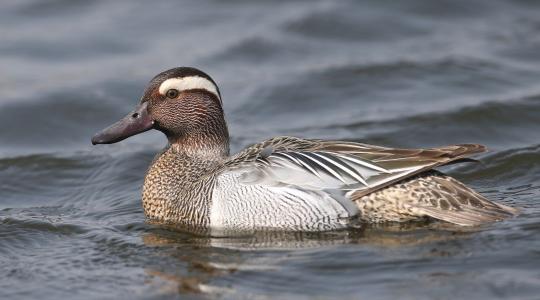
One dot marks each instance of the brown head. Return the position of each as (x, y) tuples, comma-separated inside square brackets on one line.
[(185, 104)]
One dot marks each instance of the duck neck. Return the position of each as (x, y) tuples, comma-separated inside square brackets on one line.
[(207, 145)]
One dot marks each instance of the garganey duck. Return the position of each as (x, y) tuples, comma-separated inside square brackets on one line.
[(284, 183)]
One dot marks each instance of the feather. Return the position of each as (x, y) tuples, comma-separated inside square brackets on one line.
[(357, 170), (373, 167)]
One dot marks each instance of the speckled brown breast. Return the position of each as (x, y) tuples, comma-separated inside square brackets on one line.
[(178, 190)]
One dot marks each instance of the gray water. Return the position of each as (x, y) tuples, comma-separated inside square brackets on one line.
[(394, 73)]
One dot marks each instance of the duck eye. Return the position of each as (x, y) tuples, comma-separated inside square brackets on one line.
[(172, 93)]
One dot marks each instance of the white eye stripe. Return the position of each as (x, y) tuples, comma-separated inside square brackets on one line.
[(189, 83)]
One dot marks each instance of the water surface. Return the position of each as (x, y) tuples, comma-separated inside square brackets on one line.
[(408, 74)]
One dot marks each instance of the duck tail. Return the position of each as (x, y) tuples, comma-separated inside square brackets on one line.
[(434, 195), (461, 205)]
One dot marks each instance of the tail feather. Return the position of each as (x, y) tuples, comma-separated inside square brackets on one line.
[(466, 216), (432, 194)]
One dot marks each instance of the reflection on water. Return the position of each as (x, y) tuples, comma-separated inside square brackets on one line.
[(384, 235), (223, 256)]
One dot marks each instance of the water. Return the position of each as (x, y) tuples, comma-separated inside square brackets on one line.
[(408, 74)]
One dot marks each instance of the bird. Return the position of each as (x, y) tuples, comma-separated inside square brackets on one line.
[(284, 183)]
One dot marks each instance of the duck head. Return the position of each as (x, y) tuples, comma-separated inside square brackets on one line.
[(185, 104)]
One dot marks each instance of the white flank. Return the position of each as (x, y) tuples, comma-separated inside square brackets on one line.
[(188, 83)]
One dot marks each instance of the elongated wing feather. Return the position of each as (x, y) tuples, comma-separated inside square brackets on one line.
[(357, 167)]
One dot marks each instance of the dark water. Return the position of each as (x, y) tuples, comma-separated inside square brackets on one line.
[(408, 74)]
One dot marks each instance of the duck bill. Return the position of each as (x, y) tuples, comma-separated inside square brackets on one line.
[(134, 123)]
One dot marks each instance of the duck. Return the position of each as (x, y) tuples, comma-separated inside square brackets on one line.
[(285, 183)]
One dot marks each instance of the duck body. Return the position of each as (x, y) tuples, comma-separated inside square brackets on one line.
[(267, 186), (284, 183)]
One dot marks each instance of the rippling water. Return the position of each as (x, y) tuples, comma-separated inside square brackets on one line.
[(408, 74)]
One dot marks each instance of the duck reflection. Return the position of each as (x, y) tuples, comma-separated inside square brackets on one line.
[(199, 259)]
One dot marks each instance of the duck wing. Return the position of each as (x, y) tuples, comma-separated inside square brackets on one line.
[(337, 165)]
